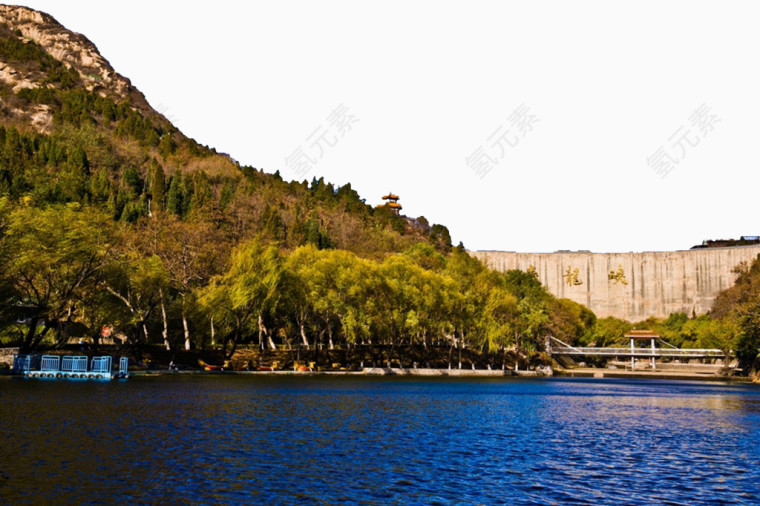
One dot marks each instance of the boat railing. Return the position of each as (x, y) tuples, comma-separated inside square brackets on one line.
[(74, 364), (50, 363), (124, 366), (101, 364), (21, 364)]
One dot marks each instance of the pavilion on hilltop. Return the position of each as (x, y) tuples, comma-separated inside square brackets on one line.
[(392, 202)]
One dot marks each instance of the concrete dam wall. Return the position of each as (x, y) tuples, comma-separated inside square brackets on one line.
[(632, 286)]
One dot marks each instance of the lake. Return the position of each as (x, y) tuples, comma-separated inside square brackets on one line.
[(325, 440)]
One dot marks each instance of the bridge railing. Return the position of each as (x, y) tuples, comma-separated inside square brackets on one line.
[(639, 352)]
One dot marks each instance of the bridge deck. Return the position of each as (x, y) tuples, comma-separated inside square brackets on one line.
[(639, 352)]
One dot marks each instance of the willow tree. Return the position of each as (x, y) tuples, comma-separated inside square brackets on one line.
[(295, 300), (421, 303), (53, 258), (137, 282), (242, 296), (498, 322), (338, 287), (472, 278)]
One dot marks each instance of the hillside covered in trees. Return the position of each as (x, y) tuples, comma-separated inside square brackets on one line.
[(110, 218)]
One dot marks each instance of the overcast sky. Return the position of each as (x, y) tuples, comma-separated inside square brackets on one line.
[(522, 126)]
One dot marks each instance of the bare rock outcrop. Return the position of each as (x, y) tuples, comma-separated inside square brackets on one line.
[(74, 50)]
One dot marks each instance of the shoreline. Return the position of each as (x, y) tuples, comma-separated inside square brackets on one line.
[(590, 372), (367, 371), (477, 373)]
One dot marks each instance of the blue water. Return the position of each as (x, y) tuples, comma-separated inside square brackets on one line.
[(316, 440)]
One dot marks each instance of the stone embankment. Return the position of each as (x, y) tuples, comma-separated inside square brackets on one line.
[(461, 373), (6, 356), (591, 372)]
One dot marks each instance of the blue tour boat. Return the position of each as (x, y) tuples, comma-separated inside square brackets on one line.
[(70, 367)]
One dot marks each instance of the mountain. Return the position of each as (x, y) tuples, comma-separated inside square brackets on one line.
[(75, 130), (24, 66)]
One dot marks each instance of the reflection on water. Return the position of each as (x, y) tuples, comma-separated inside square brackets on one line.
[(233, 439)]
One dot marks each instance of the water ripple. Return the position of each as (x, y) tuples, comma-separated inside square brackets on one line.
[(235, 440)]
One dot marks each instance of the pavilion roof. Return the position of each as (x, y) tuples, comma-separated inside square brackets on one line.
[(642, 334)]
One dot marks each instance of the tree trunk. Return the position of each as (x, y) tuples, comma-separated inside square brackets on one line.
[(213, 333), (329, 338), (272, 346), (29, 338), (319, 342), (165, 331), (460, 342), (261, 331), (234, 341), (145, 331), (303, 337), (187, 331), (34, 338), (232, 337)]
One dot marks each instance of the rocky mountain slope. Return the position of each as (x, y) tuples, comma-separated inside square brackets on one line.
[(75, 130), (71, 49)]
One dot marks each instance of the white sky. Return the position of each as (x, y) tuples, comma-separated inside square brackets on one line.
[(428, 82)]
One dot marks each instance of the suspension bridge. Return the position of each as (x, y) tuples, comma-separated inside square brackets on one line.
[(634, 352)]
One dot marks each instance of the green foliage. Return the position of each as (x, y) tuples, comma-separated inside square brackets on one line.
[(75, 202), (176, 199), (158, 186), (249, 289), (738, 310), (315, 233), (135, 125), (166, 146), (135, 282), (426, 256), (524, 285), (571, 321), (608, 331), (132, 182), (272, 224), (440, 236), (52, 261)]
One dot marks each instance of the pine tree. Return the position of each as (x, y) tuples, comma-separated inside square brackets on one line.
[(100, 186), (157, 186), (133, 182), (175, 198), (166, 146)]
